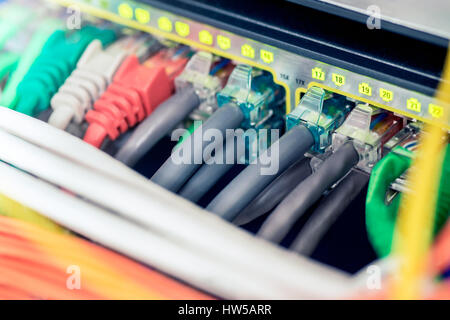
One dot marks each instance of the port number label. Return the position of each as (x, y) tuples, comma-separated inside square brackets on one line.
[(182, 29), (248, 51), (338, 79), (266, 56), (413, 104), (142, 15), (435, 111), (165, 24), (125, 11), (365, 89), (205, 37), (318, 73), (386, 95), (223, 42)]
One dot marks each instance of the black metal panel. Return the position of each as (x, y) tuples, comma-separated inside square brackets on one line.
[(362, 18), (409, 62)]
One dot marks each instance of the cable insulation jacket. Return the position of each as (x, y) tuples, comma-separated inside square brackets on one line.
[(250, 182), (160, 123), (275, 192), (328, 212), (172, 175), (209, 174)]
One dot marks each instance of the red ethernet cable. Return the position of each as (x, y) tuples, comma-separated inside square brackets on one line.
[(137, 89)]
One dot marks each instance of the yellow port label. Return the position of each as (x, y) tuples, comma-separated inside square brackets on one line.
[(318, 74), (435, 110), (414, 105), (165, 24), (338, 79), (248, 51), (205, 37), (386, 95), (125, 11), (266, 56), (365, 88), (182, 29), (142, 15), (223, 42)]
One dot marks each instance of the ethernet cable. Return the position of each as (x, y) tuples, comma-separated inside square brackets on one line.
[(172, 176), (329, 211), (29, 54), (56, 141), (13, 209), (310, 126), (56, 61), (358, 141), (139, 243), (300, 199), (178, 220), (136, 91), (275, 192), (94, 73), (248, 98), (209, 174), (35, 261), (194, 86), (77, 130)]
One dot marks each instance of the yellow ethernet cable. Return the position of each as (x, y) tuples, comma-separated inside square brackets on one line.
[(414, 224), (13, 209)]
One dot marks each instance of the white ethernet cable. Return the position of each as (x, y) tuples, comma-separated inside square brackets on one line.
[(95, 71), (118, 234), (63, 144), (182, 222)]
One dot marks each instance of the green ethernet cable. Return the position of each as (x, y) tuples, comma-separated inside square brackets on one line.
[(55, 63), (39, 38), (381, 214), (8, 61)]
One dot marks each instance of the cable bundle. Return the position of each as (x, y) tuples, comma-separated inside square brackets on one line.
[(37, 264), (135, 92), (57, 60), (93, 74)]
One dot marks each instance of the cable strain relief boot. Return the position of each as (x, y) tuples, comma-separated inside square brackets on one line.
[(27, 104), (95, 135), (61, 117)]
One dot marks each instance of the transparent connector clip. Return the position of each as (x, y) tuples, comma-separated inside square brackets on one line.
[(197, 74), (367, 139), (253, 91), (321, 113)]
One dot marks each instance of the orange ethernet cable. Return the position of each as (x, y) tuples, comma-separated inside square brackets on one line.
[(34, 262)]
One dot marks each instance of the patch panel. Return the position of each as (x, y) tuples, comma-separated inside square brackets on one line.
[(294, 72)]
